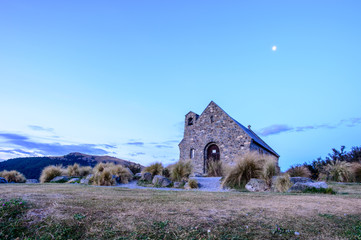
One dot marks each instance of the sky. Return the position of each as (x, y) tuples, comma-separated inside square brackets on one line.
[(117, 77)]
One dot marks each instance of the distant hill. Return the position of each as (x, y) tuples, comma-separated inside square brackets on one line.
[(31, 167)]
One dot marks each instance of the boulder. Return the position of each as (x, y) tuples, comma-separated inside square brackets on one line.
[(138, 175), (86, 179), (131, 173), (300, 179), (73, 180), (161, 181), (256, 185), (31, 181), (301, 186), (178, 184), (3, 180), (146, 176), (60, 179)]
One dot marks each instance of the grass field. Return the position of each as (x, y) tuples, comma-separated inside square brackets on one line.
[(64, 211)]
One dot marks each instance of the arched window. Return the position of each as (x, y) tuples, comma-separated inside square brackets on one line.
[(190, 121), (191, 155), (212, 119)]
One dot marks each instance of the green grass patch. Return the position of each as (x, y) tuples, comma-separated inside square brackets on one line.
[(319, 190)]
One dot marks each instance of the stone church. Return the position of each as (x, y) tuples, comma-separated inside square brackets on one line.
[(214, 134)]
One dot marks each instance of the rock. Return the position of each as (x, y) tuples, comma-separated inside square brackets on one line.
[(161, 181), (131, 173), (178, 184), (73, 180), (60, 179), (301, 186), (3, 180), (300, 179), (257, 185), (138, 175), (146, 176), (31, 181), (86, 179), (197, 174)]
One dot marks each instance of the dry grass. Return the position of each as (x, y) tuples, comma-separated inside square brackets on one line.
[(78, 171), (13, 176), (356, 171), (154, 168), (51, 172), (181, 170), (248, 166), (339, 171), (299, 171), (104, 172), (269, 170), (149, 214), (283, 183), (214, 168), (193, 183)]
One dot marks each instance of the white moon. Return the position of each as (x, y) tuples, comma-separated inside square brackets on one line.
[(274, 48)]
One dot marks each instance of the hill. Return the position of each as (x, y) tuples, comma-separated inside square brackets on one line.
[(31, 167)]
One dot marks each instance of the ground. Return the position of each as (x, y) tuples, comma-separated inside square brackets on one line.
[(65, 211)]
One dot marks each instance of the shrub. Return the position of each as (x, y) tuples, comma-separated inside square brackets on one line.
[(283, 183), (193, 183), (51, 172), (247, 167), (319, 190), (74, 170), (214, 168), (269, 170), (85, 171), (166, 172), (356, 171), (13, 176), (339, 171), (154, 168), (104, 172), (181, 170), (299, 171), (135, 168)]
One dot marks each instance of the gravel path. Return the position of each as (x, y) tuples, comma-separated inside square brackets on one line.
[(207, 184)]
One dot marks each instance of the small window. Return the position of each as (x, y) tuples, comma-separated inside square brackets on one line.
[(214, 151), (212, 120), (192, 153), (190, 121)]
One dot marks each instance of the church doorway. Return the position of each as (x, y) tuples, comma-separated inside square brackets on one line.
[(211, 154)]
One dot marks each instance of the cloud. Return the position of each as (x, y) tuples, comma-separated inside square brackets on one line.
[(50, 148), (15, 151), (279, 128), (139, 144), (39, 128), (275, 129), (163, 146), (136, 154)]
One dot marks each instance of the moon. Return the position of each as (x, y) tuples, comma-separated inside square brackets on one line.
[(274, 48)]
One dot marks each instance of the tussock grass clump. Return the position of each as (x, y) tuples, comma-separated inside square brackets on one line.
[(248, 166), (269, 170), (13, 176), (299, 171), (339, 171), (104, 172), (214, 168), (154, 168), (78, 171), (356, 171), (51, 172), (181, 170), (193, 183), (283, 183)]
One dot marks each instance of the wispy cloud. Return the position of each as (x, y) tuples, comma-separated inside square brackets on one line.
[(136, 154), (139, 144), (280, 128), (27, 144), (40, 128), (163, 146)]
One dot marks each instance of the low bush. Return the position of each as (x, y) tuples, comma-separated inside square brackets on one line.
[(339, 171), (214, 168), (283, 183), (193, 183), (319, 190), (299, 171), (247, 167), (51, 172), (104, 172), (154, 168), (166, 172), (13, 176), (181, 171), (135, 168)]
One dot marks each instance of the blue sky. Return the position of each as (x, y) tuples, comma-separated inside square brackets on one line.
[(117, 77)]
